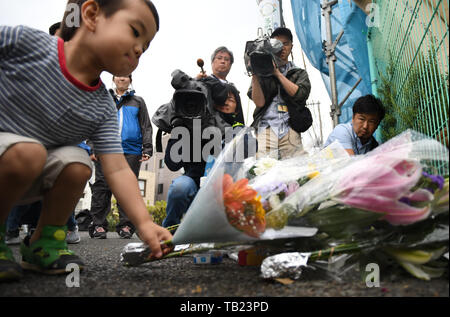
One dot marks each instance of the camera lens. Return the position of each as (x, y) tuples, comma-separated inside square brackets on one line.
[(190, 104)]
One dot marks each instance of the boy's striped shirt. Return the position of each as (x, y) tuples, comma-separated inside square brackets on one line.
[(39, 98)]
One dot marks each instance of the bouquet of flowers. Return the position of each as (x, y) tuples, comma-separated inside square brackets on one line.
[(389, 180), (384, 202), (390, 200), (233, 202)]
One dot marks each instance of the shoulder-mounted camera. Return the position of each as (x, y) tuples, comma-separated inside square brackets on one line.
[(192, 99), (261, 54)]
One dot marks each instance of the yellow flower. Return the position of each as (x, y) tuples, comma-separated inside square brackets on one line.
[(313, 174)]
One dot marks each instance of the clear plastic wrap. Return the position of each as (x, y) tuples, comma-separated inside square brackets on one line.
[(233, 202), (386, 180), (328, 207)]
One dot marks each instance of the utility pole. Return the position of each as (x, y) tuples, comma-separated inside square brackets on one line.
[(330, 47)]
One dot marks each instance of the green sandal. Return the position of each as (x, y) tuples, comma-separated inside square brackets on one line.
[(9, 269), (49, 254)]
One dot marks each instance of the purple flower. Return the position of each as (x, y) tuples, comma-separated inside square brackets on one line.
[(436, 179), (291, 188)]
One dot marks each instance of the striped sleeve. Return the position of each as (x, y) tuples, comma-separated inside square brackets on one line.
[(107, 139), (9, 36)]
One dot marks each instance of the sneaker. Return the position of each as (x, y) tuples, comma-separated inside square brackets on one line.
[(73, 237), (9, 269), (49, 254), (12, 237), (125, 233), (99, 233)]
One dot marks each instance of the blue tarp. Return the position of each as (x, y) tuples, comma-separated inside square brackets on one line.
[(351, 53)]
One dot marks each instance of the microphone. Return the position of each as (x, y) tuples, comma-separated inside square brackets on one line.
[(201, 63)]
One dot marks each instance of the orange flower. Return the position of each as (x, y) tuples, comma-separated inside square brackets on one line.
[(243, 207), (234, 194)]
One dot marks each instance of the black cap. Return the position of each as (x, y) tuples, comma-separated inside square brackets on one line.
[(282, 31)]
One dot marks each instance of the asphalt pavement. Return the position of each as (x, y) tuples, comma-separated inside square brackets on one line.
[(105, 276)]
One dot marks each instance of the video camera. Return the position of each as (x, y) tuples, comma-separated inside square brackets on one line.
[(260, 55), (192, 99)]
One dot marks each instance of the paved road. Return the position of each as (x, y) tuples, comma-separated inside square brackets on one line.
[(105, 276)]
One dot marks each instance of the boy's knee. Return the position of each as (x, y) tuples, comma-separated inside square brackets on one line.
[(25, 158), (78, 172)]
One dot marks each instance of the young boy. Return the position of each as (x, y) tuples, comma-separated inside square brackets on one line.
[(40, 125)]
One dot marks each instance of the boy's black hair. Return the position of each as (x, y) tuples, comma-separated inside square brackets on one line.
[(109, 7), (369, 104), (54, 27)]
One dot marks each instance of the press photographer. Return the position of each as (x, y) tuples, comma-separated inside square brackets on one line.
[(196, 105), (279, 90)]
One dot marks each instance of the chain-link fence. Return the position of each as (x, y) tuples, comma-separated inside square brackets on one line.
[(409, 58)]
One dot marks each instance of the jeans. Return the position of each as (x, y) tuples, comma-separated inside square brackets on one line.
[(181, 194), (71, 223), (29, 214)]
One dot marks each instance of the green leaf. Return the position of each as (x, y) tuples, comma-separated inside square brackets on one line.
[(422, 272), (342, 221), (416, 270)]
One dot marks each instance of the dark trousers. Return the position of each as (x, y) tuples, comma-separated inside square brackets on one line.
[(101, 196), (29, 214)]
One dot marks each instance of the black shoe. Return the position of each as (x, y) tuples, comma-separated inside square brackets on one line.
[(125, 232), (99, 234)]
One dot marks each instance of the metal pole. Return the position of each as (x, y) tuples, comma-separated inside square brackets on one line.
[(320, 122), (349, 93), (331, 58)]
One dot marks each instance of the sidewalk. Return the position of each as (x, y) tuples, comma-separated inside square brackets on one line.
[(106, 276)]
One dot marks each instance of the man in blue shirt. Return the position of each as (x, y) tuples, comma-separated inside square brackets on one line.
[(357, 136)]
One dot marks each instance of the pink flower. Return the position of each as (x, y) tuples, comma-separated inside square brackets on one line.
[(381, 183)]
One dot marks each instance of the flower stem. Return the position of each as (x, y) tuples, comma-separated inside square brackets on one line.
[(339, 249), (193, 250)]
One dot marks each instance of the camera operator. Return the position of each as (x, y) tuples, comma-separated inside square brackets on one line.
[(280, 101), (221, 61), (184, 188)]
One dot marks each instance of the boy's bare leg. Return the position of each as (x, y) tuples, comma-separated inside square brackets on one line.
[(60, 201), (20, 165)]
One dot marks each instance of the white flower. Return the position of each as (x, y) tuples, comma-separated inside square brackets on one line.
[(264, 164), (274, 201)]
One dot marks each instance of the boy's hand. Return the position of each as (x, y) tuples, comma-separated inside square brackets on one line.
[(152, 234)]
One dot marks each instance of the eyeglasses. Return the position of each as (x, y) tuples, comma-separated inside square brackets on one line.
[(225, 58)]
